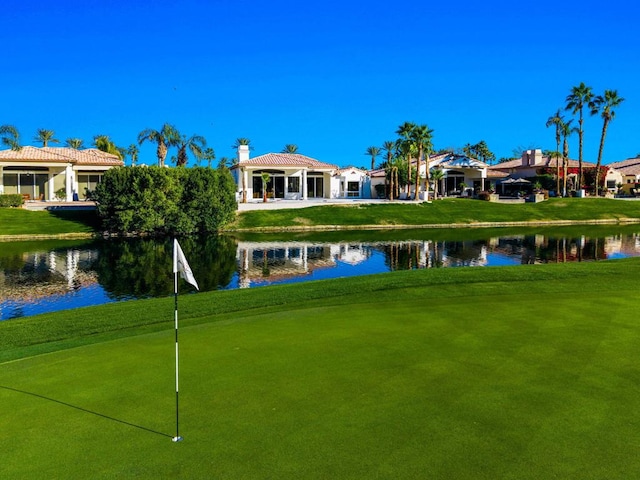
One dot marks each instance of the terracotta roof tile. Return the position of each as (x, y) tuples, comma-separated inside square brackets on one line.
[(286, 160), (89, 156)]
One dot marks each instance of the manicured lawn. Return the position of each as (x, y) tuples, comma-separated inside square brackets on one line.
[(524, 373), (17, 221), (447, 211)]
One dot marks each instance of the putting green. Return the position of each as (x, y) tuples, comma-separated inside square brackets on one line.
[(458, 385)]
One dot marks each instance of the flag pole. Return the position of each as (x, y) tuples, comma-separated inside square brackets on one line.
[(177, 438)]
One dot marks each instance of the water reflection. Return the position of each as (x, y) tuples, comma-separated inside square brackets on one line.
[(37, 278)]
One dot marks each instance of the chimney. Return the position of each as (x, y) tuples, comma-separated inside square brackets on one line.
[(243, 153), (532, 158)]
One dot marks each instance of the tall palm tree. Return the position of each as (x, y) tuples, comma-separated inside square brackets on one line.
[(556, 121), (290, 148), (10, 137), (104, 143), (373, 152), (133, 151), (75, 143), (167, 136), (579, 97), (566, 130), (421, 136), (405, 146), (604, 105), (390, 148), (45, 136), (195, 144), (210, 155)]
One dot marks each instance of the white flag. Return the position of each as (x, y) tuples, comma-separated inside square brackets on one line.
[(180, 265)]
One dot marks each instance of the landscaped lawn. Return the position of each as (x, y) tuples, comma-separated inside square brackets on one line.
[(17, 221), (451, 211), (519, 372)]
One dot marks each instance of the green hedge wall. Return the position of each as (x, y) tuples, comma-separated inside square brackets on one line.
[(11, 200), (165, 201)]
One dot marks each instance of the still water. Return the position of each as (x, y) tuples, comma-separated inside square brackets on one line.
[(39, 277)]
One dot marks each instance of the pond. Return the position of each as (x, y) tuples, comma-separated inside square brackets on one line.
[(40, 277)]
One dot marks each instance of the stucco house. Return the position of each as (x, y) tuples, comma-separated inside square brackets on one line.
[(295, 177), (458, 170), (38, 173), (629, 170)]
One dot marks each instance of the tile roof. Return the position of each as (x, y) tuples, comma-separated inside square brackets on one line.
[(89, 156), (546, 162), (286, 160), (630, 166)]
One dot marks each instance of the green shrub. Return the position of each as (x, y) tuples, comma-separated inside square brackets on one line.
[(165, 201), (11, 200)]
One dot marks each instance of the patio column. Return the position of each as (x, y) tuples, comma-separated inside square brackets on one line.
[(305, 192), (68, 182), (1, 181), (51, 194)]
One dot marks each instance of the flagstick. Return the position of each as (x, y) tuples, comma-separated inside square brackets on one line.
[(177, 438)]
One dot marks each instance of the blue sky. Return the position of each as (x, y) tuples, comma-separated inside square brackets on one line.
[(332, 77)]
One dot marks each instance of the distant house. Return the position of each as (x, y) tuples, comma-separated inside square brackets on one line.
[(629, 170), (458, 171), (39, 173), (533, 163), (295, 177)]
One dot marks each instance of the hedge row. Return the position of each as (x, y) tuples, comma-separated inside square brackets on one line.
[(165, 201), (11, 200)]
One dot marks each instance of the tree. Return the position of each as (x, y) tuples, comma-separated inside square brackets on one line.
[(556, 120), (242, 141), (479, 151), (421, 136), (566, 130), (290, 148), (104, 143), (604, 104), (10, 137), (195, 144), (167, 136), (405, 147), (436, 175), (210, 155), (373, 152), (133, 151), (265, 180), (75, 143), (45, 136), (579, 97)]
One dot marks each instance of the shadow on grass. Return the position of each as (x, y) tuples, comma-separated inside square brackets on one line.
[(87, 216), (59, 402)]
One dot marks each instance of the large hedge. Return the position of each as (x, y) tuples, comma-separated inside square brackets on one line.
[(165, 201)]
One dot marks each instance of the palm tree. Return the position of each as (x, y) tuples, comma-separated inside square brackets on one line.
[(265, 180), (195, 144), (210, 155), (579, 97), (566, 130), (556, 120), (10, 137), (420, 136), (436, 175), (75, 143), (242, 141), (373, 152), (45, 136), (405, 146), (604, 104), (290, 148), (133, 151), (104, 143), (167, 136)]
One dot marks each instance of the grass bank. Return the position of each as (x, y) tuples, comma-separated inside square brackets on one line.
[(447, 212), (20, 222), (525, 372)]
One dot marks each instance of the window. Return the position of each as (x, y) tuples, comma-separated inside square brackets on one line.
[(353, 189), (611, 184), (293, 184)]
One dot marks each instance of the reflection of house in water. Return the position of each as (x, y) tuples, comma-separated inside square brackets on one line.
[(260, 262), (43, 274)]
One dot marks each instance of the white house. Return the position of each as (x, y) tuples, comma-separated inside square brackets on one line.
[(292, 176), (458, 170), (38, 173)]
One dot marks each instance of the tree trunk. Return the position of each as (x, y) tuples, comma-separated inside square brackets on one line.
[(602, 137)]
